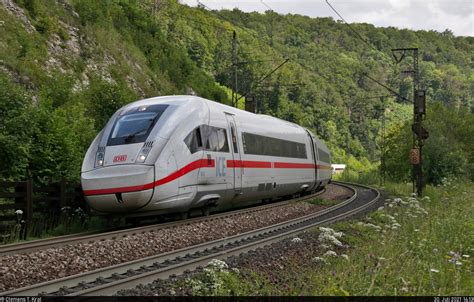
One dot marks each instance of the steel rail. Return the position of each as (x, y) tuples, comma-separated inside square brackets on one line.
[(31, 246), (107, 281)]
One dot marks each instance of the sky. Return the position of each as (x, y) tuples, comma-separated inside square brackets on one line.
[(455, 15)]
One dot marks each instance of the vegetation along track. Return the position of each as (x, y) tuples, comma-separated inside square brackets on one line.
[(109, 280), (31, 246)]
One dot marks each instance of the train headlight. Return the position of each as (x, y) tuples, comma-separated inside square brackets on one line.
[(99, 159), (143, 154)]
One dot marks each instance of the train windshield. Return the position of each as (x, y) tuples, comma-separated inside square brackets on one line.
[(135, 125)]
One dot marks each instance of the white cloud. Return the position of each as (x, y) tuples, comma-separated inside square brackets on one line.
[(456, 15)]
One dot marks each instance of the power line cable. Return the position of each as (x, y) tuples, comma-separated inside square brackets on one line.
[(351, 28), (263, 79), (370, 45), (223, 17), (388, 88), (252, 33)]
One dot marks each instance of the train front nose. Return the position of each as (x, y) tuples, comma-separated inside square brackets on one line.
[(118, 189)]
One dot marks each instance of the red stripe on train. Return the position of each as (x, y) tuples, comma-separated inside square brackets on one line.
[(201, 163), (324, 167), (281, 165), (248, 164), (204, 163), (119, 190)]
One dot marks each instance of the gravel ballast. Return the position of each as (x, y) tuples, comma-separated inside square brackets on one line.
[(26, 269), (273, 262)]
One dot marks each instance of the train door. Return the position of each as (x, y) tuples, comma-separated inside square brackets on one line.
[(314, 156), (236, 162)]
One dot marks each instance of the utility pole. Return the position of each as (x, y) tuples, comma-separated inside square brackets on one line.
[(234, 69), (419, 111)]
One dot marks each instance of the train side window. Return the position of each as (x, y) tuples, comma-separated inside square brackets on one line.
[(264, 145), (324, 156), (234, 139), (194, 141), (222, 145), (214, 139)]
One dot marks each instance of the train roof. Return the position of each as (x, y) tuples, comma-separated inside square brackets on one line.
[(195, 103)]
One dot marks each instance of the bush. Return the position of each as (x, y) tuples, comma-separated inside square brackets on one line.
[(447, 152), (102, 99), (15, 129)]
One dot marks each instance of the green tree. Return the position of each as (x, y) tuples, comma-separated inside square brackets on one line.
[(16, 124)]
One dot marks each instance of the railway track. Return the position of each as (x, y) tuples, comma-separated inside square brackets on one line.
[(31, 246), (109, 280)]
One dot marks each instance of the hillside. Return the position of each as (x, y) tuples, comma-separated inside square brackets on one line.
[(66, 66)]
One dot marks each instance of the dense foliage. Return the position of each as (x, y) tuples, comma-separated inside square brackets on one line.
[(65, 67)]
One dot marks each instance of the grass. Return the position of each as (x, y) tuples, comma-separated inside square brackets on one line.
[(409, 247)]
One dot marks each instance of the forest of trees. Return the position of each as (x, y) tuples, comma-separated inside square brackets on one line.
[(66, 66)]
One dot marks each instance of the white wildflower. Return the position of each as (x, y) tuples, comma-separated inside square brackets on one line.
[(296, 240), (329, 236), (217, 265), (466, 256), (345, 257), (435, 250), (380, 209), (433, 270), (330, 254), (19, 212), (413, 194), (331, 232), (396, 224), (458, 263), (319, 259), (235, 270)]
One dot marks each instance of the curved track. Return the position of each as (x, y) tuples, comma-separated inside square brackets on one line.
[(109, 280), (31, 246)]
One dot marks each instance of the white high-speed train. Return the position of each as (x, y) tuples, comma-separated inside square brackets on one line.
[(176, 153)]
